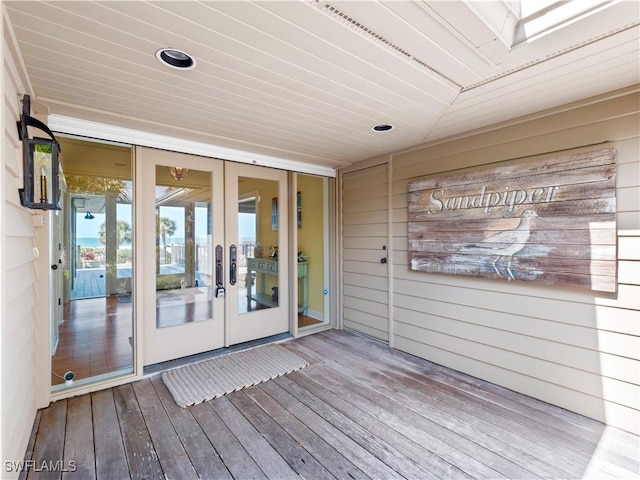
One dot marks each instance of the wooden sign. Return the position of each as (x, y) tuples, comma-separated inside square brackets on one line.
[(551, 221)]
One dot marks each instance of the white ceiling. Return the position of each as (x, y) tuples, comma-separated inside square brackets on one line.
[(306, 80)]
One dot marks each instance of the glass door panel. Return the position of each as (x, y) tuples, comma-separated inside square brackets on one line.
[(258, 266), (312, 238), (184, 247)]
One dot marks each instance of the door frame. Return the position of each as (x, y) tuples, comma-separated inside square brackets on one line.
[(135, 138), (57, 223)]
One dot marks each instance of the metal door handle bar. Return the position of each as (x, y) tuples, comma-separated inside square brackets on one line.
[(233, 267), (219, 281)]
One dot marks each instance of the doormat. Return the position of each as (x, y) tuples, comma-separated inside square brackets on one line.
[(202, 381)]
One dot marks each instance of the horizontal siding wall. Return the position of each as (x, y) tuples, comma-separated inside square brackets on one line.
[(570, 347), (19, 295)]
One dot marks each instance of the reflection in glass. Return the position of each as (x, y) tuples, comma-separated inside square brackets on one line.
[(257, 244), (92, 238), (183, 247)]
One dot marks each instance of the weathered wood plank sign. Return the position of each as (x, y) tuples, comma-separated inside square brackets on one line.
[(550, 221)]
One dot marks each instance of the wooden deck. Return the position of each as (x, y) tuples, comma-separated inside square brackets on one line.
[(359, 410)]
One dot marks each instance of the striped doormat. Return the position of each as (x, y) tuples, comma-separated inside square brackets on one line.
[(202, 381)]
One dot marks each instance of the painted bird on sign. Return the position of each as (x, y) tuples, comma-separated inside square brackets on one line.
[(504, 244)]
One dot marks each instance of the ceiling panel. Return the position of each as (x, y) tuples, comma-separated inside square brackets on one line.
[(603, 68), (454, 54), (306, 80)]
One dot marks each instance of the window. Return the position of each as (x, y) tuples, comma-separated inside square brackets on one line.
[(541, 17)]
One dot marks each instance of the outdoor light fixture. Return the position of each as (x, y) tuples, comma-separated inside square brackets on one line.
[(40, 160), (89, 216), (178, 173)]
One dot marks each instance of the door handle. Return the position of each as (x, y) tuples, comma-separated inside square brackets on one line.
[(219, 280), (383, 259), (233, 266)]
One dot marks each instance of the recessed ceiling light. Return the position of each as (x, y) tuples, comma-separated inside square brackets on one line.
[(176, 58), (383, 128)]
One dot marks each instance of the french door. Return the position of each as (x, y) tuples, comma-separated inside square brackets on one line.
[(256, 229), (207, 227)]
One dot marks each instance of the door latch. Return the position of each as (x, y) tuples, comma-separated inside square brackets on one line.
[(219, 284), (233, 270)]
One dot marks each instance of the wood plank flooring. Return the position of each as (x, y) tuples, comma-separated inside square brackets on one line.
[(359, 410), (89, 283), (94, 339)]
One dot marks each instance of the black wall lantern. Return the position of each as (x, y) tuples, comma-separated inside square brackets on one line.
[(40, 159)]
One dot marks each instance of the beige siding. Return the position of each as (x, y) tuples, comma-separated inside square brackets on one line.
[(18, 282), (365, 297), (573, 348)]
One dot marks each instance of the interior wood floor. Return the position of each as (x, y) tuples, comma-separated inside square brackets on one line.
[(305, 321), (359, 410), (94, 338)]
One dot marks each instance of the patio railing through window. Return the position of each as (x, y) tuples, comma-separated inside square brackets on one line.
[(176, 257)]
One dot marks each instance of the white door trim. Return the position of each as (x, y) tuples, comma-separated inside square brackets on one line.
[(85, 128)]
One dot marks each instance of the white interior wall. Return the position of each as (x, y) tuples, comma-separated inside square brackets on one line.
[(570, 347), (19, 296)]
